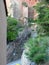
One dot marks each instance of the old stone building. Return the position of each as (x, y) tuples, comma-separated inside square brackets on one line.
[(19, 11)]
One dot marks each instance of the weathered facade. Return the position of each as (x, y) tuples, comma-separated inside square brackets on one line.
[(16, 9)]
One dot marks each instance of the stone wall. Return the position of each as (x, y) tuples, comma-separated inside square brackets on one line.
[(15, 48), (2, 34)]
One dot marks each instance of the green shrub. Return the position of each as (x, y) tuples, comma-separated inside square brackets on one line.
[(43, 29), (30, 20), (12, 31), (24, 4), (37, 48), (43, 16)]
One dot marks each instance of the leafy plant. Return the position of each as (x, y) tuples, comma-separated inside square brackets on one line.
[(30, 20), (12, 30), (25, 4), (46, 1), (36, 49), (43, 17)]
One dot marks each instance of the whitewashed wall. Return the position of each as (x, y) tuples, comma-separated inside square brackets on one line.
[(14, 8), (25, 14), (25, 11)]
